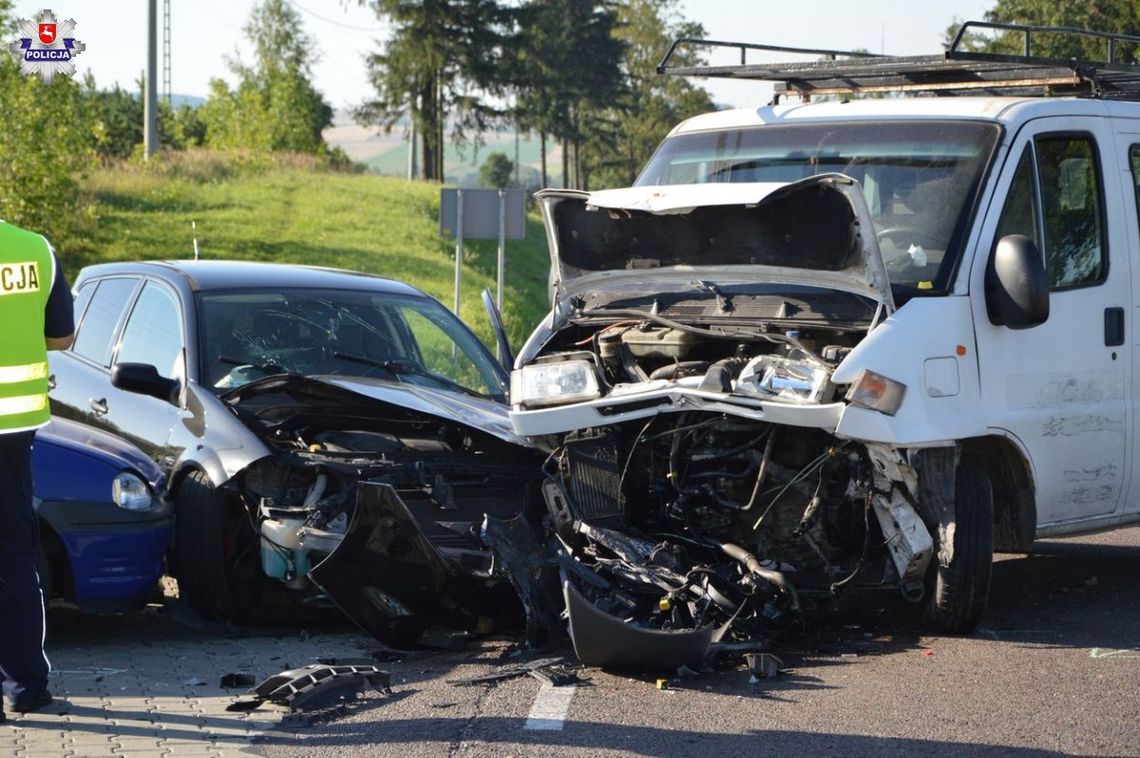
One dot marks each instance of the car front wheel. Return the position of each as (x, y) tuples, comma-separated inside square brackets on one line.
[(212, 537), (958, 591)]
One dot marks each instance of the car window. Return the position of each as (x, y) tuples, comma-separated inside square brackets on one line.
[(438, 353), (920, 178), (81, 299), (1056, 200), (1134, 163), (154, 332), (1072, 203), (357, 334), (1021, 214), (102, 316)]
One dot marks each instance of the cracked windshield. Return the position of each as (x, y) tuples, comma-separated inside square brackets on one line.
[(919, 178), (357, 335)]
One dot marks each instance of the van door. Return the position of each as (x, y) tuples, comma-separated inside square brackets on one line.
[(1128, 152), (1060, 388)]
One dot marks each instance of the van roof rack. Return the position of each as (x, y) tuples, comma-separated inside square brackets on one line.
[(956, 72)]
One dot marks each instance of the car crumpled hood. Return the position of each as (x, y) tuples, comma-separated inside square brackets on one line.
[(482, 415), (816, 231)]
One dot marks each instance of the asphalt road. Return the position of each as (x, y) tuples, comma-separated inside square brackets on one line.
[(1054, 668)]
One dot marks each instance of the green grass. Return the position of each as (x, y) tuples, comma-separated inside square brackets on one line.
[(293, 211)]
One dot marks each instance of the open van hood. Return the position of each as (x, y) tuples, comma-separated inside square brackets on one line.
[(814, 232)]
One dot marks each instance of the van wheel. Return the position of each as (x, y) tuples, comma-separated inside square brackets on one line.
[(958, 592), (211, 537)]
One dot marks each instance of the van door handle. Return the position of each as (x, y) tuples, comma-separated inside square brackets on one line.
[(1113, 327), (51, 381), (99, 406)]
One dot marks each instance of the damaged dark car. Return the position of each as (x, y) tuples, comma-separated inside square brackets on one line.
[(328, 436)]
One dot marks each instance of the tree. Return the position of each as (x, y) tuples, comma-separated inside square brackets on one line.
[(275, 105), (45, 144), (654, 103), (567, 69), (1115, 16), (496, 171), (440, 61), (116, 119)]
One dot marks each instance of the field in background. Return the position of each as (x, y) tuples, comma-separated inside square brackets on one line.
[(290, 210), (387, 153)]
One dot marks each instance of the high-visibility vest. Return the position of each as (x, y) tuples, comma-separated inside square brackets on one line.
[(27, 270)]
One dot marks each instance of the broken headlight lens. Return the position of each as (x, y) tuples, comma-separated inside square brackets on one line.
[(544, 384), (779, 378), (130, 492), (877, 392)]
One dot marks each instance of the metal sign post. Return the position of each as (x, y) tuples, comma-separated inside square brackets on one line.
[(502, 247), (482, 214), (458, 246)]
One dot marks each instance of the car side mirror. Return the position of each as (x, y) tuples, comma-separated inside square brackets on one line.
[(144, 379), (1017, 290)]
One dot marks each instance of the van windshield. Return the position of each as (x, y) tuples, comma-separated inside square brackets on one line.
[(920, 178)]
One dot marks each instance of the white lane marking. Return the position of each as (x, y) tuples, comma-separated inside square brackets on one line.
[(550, 708)]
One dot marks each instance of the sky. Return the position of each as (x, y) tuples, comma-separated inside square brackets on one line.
[(205, 32)]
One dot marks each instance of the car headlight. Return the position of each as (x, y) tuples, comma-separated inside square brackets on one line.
[(130, 492), (544, 384), (877, 392), (773, 376)]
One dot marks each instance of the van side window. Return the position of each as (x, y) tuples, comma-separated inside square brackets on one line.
[(1134, 163), (1020, 214), (1073, 203), (1057, 201)]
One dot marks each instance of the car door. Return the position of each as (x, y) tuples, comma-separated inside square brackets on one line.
[(1059, 388), (80, 377), (153, 335)]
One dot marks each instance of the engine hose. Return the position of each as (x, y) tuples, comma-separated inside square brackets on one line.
[(752, 564)]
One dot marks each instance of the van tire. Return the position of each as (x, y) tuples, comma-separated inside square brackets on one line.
[(958, 592), (209, 532)]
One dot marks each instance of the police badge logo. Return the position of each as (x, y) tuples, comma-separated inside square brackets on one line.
[(47, 47)]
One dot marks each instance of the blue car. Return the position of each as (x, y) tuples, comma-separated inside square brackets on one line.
[(105, 522)]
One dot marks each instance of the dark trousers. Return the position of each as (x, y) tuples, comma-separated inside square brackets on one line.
[(23, 665)]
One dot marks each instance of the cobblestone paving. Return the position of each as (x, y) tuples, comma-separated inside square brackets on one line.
[(159, 693)]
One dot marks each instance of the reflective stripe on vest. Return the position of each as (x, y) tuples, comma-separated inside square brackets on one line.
[(25, 373), (13, 406)]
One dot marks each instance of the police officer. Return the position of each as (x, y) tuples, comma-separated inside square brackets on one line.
[(35, 316)]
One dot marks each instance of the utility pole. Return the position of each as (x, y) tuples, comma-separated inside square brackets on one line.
[(150, 105), (166, 50)]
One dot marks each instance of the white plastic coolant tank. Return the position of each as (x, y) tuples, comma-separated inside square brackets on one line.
[(280, 547)]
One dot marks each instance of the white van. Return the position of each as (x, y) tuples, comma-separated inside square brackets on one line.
[(864, 342)]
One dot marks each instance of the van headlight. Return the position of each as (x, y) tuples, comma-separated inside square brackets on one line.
[(544, 384), (131, 493), (877, 392)]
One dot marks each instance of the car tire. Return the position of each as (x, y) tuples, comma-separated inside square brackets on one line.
[(958, 592), (210, 531)]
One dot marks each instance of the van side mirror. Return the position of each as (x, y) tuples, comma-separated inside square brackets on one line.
[(144, 379), (1017, 290)]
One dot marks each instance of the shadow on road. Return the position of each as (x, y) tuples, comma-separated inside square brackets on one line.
[(626, 739)]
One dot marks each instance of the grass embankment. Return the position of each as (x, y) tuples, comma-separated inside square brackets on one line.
[(294, 211)]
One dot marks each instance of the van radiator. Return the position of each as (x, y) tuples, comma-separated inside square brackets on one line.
[(592, 476)]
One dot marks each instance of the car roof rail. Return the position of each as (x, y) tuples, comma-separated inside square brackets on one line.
[(957, 71)]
